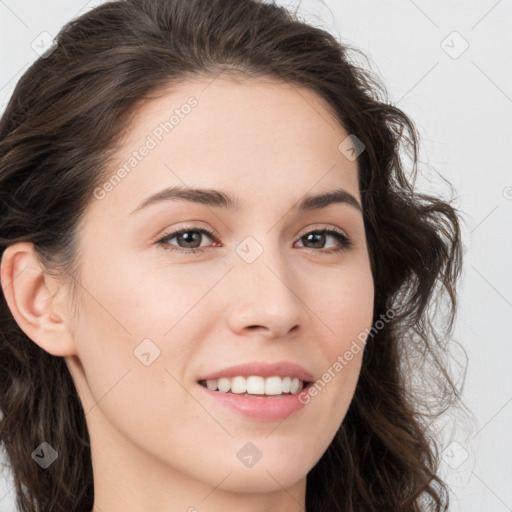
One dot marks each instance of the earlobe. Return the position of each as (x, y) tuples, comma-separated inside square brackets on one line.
[(29, 298)]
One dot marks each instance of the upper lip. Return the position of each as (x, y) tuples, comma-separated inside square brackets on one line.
[(263, 369)]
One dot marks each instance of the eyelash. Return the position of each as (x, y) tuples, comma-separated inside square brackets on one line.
[(345, 242)]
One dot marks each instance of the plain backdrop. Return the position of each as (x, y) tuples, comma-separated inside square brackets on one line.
[(447, 65)]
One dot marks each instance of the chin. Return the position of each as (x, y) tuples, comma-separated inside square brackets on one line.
[(259, 480)]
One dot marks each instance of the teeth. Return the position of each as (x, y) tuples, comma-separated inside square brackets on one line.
[(256, 385), (273, 386), (211, 384), (224, 385), (295, 386), (238, 385)]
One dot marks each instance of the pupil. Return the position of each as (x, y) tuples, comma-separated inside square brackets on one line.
[(187, 237), (319, 238)]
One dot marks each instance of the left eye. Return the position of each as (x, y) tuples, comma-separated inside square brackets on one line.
[(192, 238), (319, 236)]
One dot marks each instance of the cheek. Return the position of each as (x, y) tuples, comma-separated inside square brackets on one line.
[(132, 331), (345, 305), (125, 300), (125, 373), (345, 308)]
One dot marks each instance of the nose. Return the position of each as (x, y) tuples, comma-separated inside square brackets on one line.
[(266, 297)]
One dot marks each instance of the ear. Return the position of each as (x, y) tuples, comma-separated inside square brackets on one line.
[(31, 297)]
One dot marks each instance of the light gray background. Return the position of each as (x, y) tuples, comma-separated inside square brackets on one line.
[(462, 106)]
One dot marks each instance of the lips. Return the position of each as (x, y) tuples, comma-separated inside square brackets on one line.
[(265, 408), (262, 369)]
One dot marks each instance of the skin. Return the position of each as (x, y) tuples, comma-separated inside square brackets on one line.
[(158, 443)]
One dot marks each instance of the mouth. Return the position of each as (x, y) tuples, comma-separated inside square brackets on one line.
[(256, 386), (270, 398)]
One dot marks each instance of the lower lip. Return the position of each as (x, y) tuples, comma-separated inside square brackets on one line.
[(268, 408)]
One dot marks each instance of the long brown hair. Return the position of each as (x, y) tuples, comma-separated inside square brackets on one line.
[(66, 117)]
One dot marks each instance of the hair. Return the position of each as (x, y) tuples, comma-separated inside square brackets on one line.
[(65, 119)]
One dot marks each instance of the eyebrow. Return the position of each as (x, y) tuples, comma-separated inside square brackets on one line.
[(219, 199)]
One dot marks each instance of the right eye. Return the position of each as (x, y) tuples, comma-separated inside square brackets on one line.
[(183, 234)]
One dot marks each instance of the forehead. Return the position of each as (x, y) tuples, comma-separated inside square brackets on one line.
[(251, 136)]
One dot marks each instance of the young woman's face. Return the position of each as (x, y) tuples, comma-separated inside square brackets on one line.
[(155, 317)]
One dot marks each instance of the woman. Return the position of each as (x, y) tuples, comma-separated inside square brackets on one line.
[(217, 276)]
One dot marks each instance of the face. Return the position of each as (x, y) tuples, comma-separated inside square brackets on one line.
[(252, 282)]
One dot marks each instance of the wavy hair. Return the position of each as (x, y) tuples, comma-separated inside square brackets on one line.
[(67, 116)]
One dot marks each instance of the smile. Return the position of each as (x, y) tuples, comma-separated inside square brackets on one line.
[(255, 385)]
